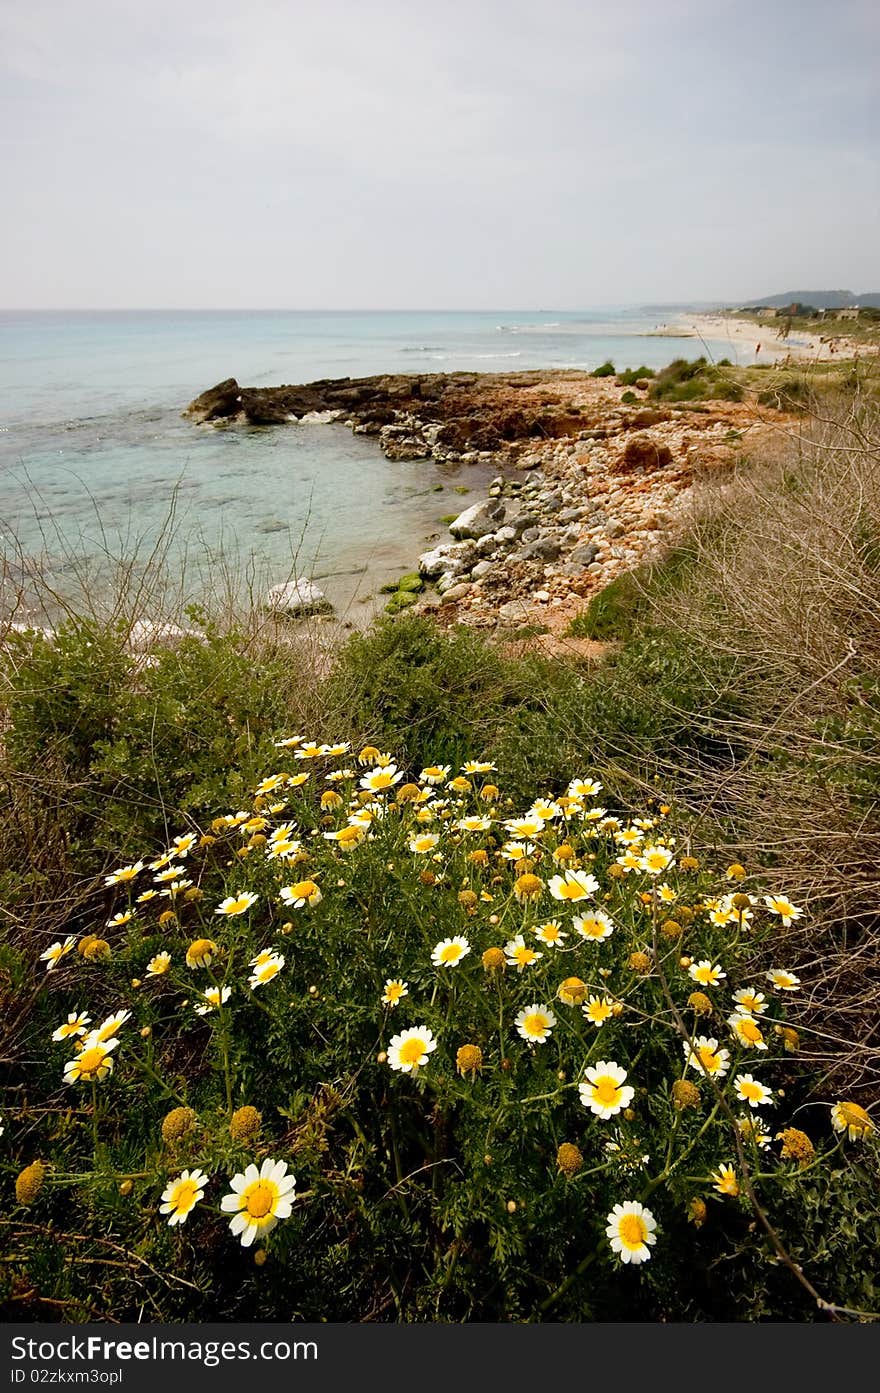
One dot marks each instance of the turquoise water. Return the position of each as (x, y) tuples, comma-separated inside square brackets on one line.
[(95, 458)]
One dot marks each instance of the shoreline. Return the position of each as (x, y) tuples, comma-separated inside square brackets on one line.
[(745, 335), (587, 485)]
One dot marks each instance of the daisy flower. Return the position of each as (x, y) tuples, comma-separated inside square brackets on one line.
[(630, 861), (214, 997), (269, 784), (778, 904), (519, 954), (120, 920), (747, 1031), (524, 827), (110, 1027), (666, 894), (631, 1229), (182, 1195), (349, 836), (572, 992), (183, 845), (725, 1180), (380, 779), (308, 749), (395, 990), (517, 851), (583, 788), (550, 933), (56, 951), (289, 743), (176, 887), (237, 904), (435, 774), (574, 885), (168, 873), (708, 974), (605, 1092), (147, 896), (124, 873), (450, 951), (92, 1064), (598, 1009), (749, 1090), (265, 968), (706, 1056), (594, 926), (408, 1051), (477, 766), (474, 823), (283, 850), (852, 1119), (424, 843), (77, 1023), (258, 1199), (158, 965), (544, 808), (750, 1002), (534, 1023), (304, 892), (783, 981), (656, 859), (341, 747), (201, 952), (751, 1128), (629, 836)]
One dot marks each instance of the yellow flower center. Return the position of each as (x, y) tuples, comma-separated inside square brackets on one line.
[(394, 992), (185, 1197), (570, 890), (450, 954), (751, 1090), (855, 1116), (412, 1050), (709, 1059), (606, 1091), (632, 1230), (535, 1024), (91, 1060), (260, 1199), (750, 1031)]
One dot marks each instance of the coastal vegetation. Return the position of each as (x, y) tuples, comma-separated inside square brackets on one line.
[(450, 982)]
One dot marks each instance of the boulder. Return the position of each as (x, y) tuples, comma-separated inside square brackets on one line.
[(217, 402), (542, 549), (296, 597), (449, 556), (457, 591), (478, 520), (585, 554)]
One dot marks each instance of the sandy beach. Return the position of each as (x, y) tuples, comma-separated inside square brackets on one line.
[(758, 341)]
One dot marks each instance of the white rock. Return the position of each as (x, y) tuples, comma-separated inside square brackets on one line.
[(298, 596), (146, 634), (478, 520)]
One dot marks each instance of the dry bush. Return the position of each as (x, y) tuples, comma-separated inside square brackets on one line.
[(785, 589)]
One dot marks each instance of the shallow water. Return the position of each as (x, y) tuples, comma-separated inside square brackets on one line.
[(95, 458)]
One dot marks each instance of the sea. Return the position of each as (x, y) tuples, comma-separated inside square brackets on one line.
[(99, 470)]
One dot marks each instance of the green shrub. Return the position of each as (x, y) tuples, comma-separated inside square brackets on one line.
[(605, 369)]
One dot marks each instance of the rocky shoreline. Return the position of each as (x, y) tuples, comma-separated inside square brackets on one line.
[(588, 485)]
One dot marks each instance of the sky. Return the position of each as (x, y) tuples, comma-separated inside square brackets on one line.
[(478, 154)]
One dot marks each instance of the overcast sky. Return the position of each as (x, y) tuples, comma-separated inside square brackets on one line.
[(436, 153)]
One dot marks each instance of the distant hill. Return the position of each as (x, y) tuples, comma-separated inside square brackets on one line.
[(822, 299)]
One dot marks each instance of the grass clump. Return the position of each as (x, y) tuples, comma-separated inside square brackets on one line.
[(699, 380)]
